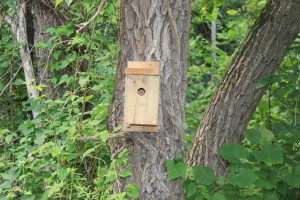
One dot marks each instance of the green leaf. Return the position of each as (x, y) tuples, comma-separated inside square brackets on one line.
[(218, 196), (69, 2), (104, 135), (190, 188), (293, 178), (259, 135), (58, 2), (117, 129), (288, 133), (203, 175), (65, 30), (243, 178), (40, 138), (269, 195), (232, 12), (56, 54), (54, 188), (18, 82), (264, 180), (4, 131), (41, 45), (83, 81), (95, 122), (176, 168), (101, 38), (11, 175), (124, 173), (51, 30), (28, 197), (110, 176), (262, 83), (71, 156), (63, 173), (233, 153), (123, 153), (89, 151), (271, 153), (132, 190), (27, 131), (8, 138), (5, 185), (282, 187)]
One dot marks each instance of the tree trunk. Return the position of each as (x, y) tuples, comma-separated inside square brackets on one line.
[(45, 16), (153, 31), (237, 96), (213, 40), (213, 45), (20, 31)]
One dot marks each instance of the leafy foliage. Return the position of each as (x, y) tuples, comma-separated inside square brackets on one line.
[(41, 158), (263, 169)]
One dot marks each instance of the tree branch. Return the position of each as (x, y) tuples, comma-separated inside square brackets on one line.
[(88, 138), (94, 17), (55, 12)]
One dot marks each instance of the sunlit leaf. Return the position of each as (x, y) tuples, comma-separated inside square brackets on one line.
[(132, 190)]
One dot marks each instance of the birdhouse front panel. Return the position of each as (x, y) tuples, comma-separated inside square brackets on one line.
[(141, 95)]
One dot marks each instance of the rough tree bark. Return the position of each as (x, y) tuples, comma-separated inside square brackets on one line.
[(237, 96), (46, 16), (152, 30)]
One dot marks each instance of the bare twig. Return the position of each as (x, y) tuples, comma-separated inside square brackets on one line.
[(8, 71), (116, 153), (16, 73), (48, 59), (95, 138), (94, 17), (4, 5), (88, 138), (55, 12), (14, 140), (122, 134), (7, 19)]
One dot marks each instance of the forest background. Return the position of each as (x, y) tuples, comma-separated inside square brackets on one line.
[(51, 157)]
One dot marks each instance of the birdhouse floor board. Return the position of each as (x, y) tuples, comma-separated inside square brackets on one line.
[(136, 128)]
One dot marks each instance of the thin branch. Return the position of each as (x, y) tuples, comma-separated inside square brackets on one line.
[(5, 5), (8, 71), (11, 80), (48, 59), (14, 140), (116, 153), (88, 138), (55, 12), (111, 136), (7, 19), (93, 18), (122, 134)]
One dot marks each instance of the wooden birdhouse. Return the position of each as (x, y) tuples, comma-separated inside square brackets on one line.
[(141, 96)]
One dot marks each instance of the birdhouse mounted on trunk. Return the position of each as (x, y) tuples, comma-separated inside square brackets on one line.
[(141, 96)]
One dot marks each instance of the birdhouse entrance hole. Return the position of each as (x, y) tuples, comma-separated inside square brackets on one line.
[(141, 91)]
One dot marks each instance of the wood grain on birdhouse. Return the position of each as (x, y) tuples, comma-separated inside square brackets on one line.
[(141, 96)]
